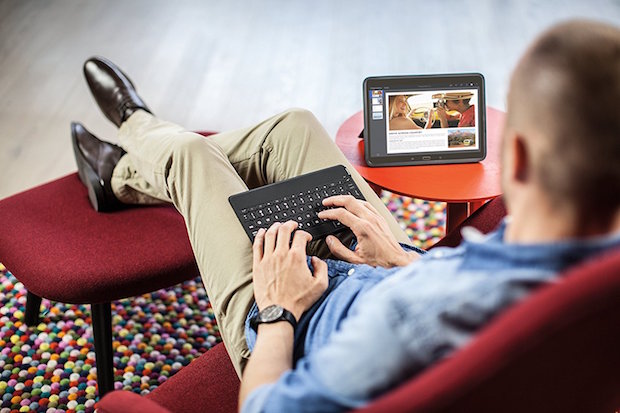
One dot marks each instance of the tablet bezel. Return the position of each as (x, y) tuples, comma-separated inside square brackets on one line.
[(425, 83)]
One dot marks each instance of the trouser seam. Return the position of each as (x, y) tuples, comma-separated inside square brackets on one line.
[(277, 162)]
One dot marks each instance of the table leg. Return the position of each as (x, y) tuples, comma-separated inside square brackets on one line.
[(473, 206), (456, 212), (375, 188)]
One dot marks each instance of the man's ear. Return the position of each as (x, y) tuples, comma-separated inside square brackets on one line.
[(521, 167)]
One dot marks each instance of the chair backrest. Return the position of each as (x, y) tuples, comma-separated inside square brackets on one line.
[(558, 351)]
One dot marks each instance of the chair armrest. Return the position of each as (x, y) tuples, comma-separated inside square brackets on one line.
[(210, 380), (123, 401)]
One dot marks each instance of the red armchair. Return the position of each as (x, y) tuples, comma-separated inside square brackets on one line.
[(557, 351)]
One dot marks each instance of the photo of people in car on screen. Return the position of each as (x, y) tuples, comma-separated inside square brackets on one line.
[(437, 120), (431, 110)]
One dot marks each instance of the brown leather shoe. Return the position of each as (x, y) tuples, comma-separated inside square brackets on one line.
[(96, 160), (112, 89)]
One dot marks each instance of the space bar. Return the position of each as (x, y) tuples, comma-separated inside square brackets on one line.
[(322, 229)]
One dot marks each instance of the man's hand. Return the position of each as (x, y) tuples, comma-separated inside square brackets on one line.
[(443, 116), (280, 273), (376, 245)]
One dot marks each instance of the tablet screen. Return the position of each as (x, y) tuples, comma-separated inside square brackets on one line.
[(413, 120)]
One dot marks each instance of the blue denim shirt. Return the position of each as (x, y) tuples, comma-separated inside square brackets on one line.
[(374, 327)]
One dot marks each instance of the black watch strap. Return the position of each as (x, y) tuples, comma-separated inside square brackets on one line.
[(273, 314)]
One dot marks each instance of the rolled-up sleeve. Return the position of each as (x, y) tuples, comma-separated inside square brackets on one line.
[(257, 400)]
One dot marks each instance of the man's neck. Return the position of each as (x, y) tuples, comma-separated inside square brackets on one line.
[(544, 225)]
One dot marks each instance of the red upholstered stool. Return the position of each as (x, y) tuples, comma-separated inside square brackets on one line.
[(53, 241)]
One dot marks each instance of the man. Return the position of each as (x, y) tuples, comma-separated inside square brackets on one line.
[(380, 313), (459, 102)]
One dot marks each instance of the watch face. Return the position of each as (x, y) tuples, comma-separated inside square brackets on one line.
[(271, 313)]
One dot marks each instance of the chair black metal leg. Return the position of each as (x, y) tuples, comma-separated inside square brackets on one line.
[(33, 308), (102, 331)]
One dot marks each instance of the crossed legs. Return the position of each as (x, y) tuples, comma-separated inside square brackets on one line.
[(166, 163)]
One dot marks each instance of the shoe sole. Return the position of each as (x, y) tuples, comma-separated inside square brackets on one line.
[(87, 174)]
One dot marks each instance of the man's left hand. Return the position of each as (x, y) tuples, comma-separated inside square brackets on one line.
[(280, 272)]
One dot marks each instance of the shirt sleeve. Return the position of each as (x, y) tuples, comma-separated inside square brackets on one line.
[(400, 328), (362, 358), (256, 401)]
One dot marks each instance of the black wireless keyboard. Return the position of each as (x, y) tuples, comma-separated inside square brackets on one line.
[(299, 199)]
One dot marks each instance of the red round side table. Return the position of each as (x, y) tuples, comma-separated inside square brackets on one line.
[(464, 187)]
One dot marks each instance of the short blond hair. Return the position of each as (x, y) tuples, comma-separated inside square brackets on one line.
[(567, 88)]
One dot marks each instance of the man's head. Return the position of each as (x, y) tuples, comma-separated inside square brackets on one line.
[(459, 101), (459, 105), (562, 136)]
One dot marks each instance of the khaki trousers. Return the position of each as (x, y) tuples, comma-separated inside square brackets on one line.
[(166, 163)]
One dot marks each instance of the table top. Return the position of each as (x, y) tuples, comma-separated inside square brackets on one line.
[(450, 183)]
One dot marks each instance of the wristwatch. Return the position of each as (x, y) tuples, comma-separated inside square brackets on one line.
[(272, 314)]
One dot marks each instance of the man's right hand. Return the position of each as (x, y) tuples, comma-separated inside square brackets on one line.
[(376, 245)]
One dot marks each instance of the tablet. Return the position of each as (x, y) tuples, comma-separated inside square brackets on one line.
[(424, 119)]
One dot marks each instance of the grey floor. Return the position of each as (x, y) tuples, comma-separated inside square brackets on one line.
[(220, 65)]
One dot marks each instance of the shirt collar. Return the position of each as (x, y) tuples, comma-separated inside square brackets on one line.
[(492, 251)]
